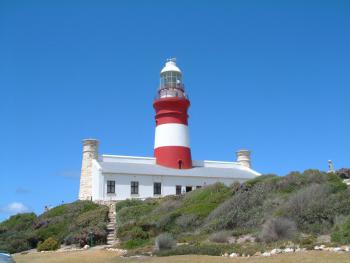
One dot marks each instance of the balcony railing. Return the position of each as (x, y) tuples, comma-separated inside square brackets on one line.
[(171, 93)]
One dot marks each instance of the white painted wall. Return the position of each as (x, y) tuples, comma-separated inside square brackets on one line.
[(123, 185)]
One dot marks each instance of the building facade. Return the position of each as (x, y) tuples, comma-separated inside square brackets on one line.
[(171, 171)]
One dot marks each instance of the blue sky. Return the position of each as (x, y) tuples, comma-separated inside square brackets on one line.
[(270, 76)]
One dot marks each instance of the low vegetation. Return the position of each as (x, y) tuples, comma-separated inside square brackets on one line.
[(48, 244), (266, 212), (72, 223), (269, 210)]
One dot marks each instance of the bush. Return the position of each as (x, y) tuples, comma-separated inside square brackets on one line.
[(277, 229), (243, 210), (49, 244), (70, 223), (186, 221), (137, 233), (220, 237), (134, 243), (165, 241), (341, 233), (168, 205)]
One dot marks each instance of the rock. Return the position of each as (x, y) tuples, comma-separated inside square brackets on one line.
[(337, 249), (225, 255), (275, 251), (288, 250), (86, 247), (347, 248), (317, 248), (266, 254), (233, 255), (257, 254)]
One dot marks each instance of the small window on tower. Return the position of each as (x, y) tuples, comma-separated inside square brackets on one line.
[(110, 187), (180, 164), (134, 188)]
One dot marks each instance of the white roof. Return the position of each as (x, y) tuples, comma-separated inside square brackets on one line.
[(170, 65), (114, 164)]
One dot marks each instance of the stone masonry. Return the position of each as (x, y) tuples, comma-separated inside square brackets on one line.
[(90, 152)]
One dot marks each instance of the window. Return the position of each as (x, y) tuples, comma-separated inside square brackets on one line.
[(188, 189), (178, 190), (134, 188), (198, 187), (157, 188), (110, 187)]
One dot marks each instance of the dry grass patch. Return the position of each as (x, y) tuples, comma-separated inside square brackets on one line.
[(101, 256)]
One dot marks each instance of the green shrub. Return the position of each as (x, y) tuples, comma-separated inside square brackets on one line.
[(243, 210), (169, 204), (312, 208), (341, 233), (186, 221), (127, 203), (19, 222), (220, 237), (49, 244), (70, 223), (138, 233), (276, 229), (165, 241), (134, 243)]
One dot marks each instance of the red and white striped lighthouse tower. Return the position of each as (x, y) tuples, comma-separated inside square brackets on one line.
[(172, 145)]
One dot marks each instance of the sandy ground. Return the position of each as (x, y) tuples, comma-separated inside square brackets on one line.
[(99, 256)]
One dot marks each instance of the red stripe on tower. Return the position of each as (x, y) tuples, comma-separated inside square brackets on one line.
[(171, 144)]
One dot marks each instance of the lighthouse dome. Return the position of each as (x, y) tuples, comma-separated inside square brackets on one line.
[(170, 66)]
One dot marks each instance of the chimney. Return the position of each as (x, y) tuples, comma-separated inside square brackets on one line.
[(243, 158), (90, 153)]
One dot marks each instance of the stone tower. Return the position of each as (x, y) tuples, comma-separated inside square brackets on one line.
[(90, 152), (243, 158)]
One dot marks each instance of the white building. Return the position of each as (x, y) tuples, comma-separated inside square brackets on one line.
[(172, 171)]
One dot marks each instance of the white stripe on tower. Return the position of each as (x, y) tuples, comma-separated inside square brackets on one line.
[(171, 134)]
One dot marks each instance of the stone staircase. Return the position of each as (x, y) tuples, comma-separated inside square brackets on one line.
[(111, 236)]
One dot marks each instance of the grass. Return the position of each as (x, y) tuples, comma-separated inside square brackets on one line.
[(101, 256)]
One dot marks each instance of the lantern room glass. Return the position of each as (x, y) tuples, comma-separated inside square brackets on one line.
[(171, 85)]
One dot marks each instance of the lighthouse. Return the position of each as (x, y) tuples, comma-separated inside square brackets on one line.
[(172, 144), (107, 178)]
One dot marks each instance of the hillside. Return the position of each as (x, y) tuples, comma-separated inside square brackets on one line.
[(68, 223), (298, 207)]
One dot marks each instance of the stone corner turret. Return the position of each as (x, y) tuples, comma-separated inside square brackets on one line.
[(243, 157), (90, 153)]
